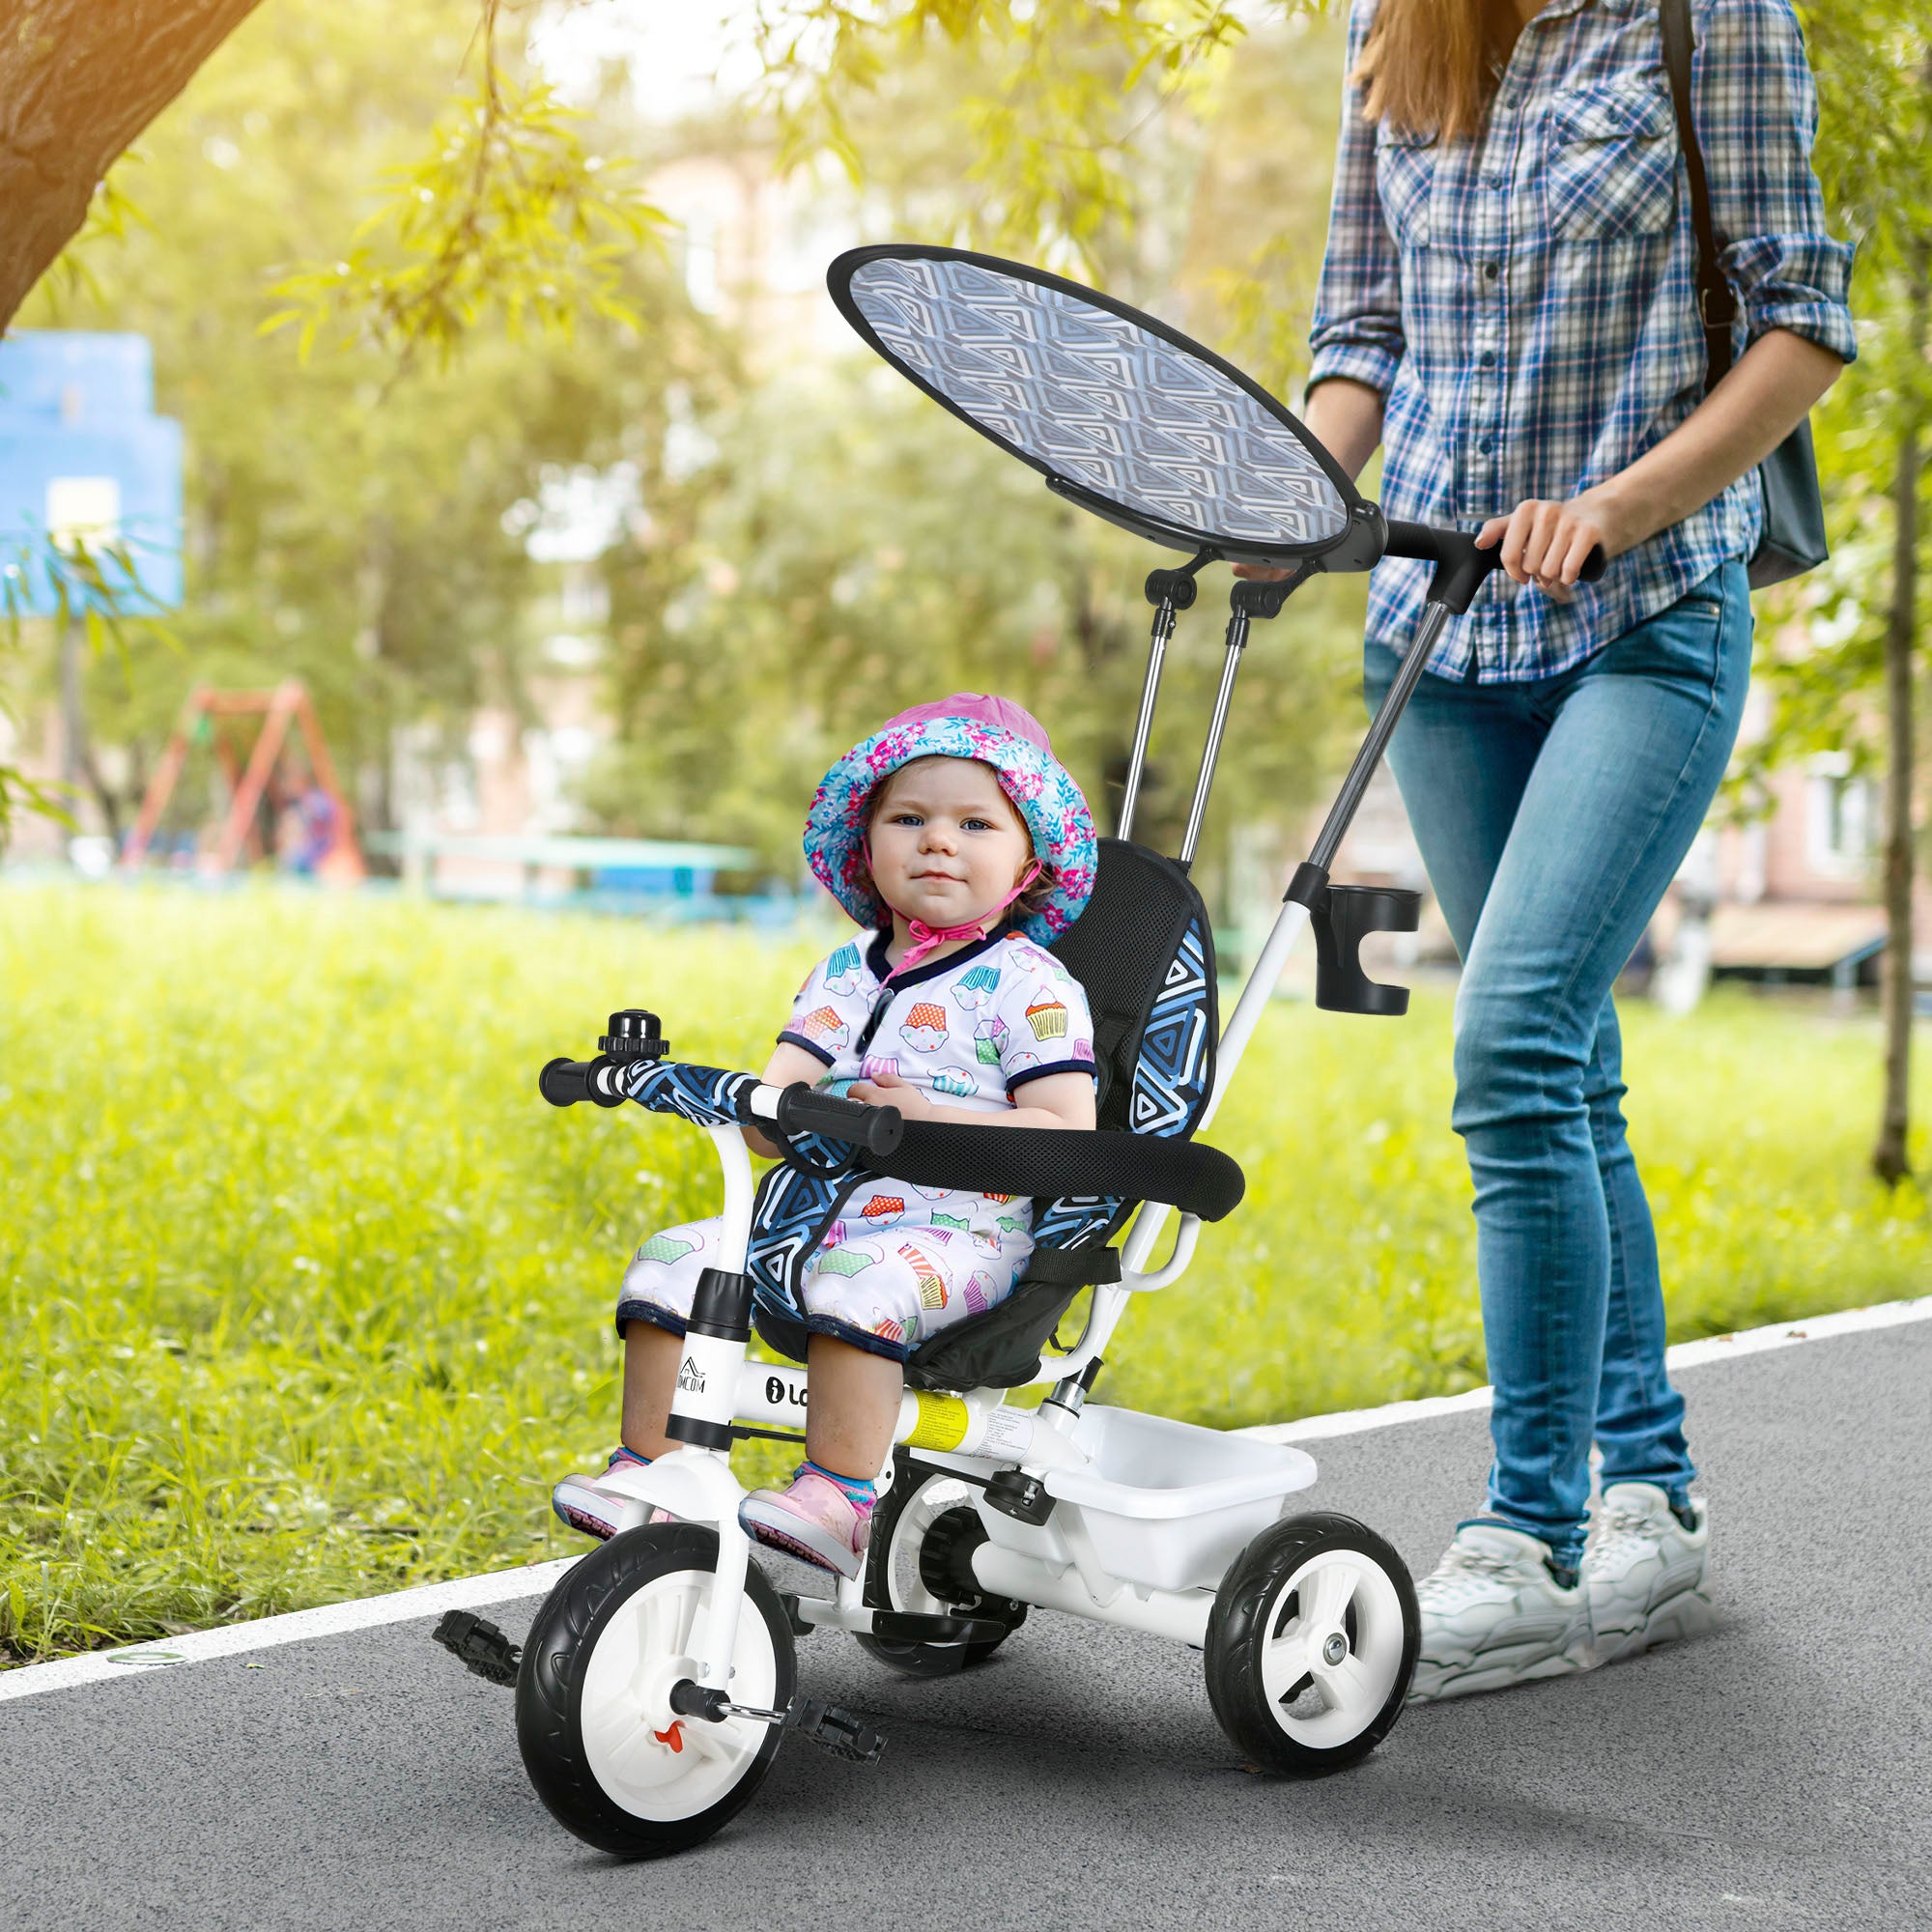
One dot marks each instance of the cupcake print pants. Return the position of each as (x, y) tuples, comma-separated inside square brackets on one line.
[(897, 1266)]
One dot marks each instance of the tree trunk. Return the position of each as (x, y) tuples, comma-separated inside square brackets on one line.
[(78, 81), (1891, 1157), (77, 745), (375, 791)]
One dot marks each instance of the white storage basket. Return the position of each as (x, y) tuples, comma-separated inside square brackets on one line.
[(1170, 1506)]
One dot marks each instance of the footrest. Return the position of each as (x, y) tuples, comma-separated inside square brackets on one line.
[(478, 1645), (923, 1627), (838, 1731)]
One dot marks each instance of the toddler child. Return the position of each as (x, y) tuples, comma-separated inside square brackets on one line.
[(964, 846)]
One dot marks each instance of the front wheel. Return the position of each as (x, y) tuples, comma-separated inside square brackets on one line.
[(1311, 1645), (607, 1755)]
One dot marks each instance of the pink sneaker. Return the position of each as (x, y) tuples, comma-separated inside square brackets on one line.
[(584, 1501), (812, 1518)]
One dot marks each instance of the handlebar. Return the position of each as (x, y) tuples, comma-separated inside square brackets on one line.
[(804, 1110), (1459, 566), (565, 1082), (789, 1110)]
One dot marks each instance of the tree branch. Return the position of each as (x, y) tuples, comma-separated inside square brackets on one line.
[(78, 81)]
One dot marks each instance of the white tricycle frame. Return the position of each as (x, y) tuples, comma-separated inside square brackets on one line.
[(658, 1676), (1309, 1625)]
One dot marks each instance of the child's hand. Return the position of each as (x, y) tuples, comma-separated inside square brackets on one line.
[(889, 1091)]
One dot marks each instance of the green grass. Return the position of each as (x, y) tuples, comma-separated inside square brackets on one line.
[(304, 1294)]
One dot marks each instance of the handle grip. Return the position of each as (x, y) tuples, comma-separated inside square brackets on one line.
[(565, 1082), (804, 1110), (1459, 566)]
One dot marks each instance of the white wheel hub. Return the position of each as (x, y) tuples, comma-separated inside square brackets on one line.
[(1331, 1648), (905, 1588), (650, 1760)]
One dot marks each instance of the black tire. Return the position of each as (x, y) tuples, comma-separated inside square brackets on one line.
[(901, 1573), (1306, 1728), (558, 1659)]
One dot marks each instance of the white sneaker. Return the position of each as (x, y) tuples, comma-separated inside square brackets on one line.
[(1643, 1572), (1493, 1616)]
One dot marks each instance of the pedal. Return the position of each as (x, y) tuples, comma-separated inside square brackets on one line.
[(478, 1645), (838, 1731)]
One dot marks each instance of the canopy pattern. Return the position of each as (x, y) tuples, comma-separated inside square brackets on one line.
[(1099, 399)]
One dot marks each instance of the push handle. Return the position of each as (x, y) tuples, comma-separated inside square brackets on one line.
[(804, 1110), (1459, 566)]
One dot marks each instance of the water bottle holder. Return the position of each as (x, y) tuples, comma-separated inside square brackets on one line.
[(1345, 917)]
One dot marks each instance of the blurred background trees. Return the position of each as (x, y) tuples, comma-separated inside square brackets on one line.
[(345, 516), (1848, 681), (797, 542), (488, 332)]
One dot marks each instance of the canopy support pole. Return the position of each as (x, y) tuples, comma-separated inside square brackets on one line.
[(1169, 591), (1250, 598), (1210, 752)]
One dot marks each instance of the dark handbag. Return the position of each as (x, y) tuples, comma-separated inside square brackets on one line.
[(1792, 540)]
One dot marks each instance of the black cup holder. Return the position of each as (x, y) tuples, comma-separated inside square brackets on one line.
[(1344, 917)]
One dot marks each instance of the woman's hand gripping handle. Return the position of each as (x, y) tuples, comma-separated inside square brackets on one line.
[(1463, 561)]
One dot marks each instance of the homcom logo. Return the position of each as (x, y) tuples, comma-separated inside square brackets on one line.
[(691, 1377)]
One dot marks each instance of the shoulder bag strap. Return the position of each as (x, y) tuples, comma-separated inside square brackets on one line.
[(1717, 303)]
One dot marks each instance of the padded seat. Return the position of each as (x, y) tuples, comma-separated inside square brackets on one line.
[(1143, 952)]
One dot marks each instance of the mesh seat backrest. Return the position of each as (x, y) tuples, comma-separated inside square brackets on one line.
[(1143, 951)]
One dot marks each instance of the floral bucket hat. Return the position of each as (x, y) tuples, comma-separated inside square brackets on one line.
[(968, 724)]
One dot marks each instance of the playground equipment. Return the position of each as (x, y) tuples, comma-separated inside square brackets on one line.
[(282, 770)]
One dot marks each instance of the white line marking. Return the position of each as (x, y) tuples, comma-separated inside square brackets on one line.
[(504, 1586), (1684, 1355), (431, 1599), (1358, 1421)]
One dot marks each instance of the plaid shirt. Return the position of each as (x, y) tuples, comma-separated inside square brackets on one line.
[(1524, 299)]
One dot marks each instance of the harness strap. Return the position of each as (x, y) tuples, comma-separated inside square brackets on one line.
[(1072, 1267)]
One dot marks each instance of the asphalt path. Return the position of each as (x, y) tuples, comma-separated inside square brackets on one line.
[(1778, 1772)]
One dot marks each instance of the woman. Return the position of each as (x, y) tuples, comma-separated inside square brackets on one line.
[(1507, 305)]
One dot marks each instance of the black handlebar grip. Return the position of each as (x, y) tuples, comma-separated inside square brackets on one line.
[(564, 1082), (804, 1110), (1459, 566)]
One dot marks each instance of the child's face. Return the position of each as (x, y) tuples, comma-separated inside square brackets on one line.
[(946, 845)]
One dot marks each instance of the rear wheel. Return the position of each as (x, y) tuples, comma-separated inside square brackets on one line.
[(1311, 1645), (607, 1755), (923, 1534)]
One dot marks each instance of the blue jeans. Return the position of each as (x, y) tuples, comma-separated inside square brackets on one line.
[(1552, 817)]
